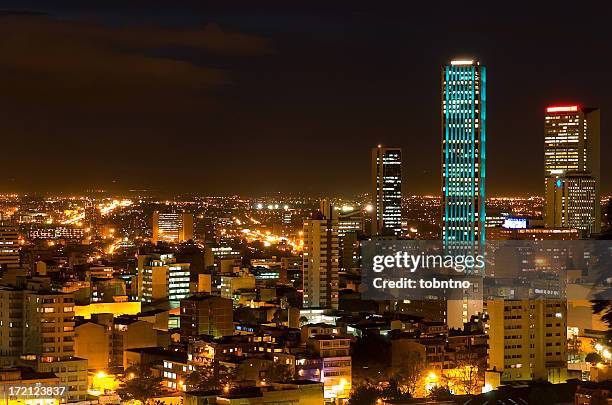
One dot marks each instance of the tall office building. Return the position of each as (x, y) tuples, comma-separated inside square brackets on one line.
[(172, 227), (160, 277), (321, 261), (463, 175), (386, 190), (572, 168), (527, 339), (572, 201), (350, 224), (463, 151), (9, 246)]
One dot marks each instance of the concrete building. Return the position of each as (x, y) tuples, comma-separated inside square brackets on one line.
[(48, 324), (24, 377), (527, 339), (11, 325), (172, 227), (294, 392), (330, 363), (572, 168), (39, 334), (572, 201), (204, 314), (130, 333), (321, 262), (231, 284), (160, 277), (92, 341), (9, 247)]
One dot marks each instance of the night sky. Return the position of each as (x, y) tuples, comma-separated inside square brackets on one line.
[(251, 100)]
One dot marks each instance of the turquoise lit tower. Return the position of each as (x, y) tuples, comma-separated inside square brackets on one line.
[(463, 151)]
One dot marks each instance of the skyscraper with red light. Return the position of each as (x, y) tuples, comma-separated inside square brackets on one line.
[(571, 168)]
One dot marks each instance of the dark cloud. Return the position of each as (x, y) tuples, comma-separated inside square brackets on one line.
[(244, 97)]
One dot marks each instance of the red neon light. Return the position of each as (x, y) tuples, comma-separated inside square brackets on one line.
[(562, 108)]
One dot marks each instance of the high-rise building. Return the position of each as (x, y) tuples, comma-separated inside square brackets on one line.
[(527, 339), (572, 201), (463, 151), (572, 168), (172, 227), (386, 190), (37, 331), (350, 225), (9, 246), (321, 261), (160, 277), (463, 175), (204, 314)]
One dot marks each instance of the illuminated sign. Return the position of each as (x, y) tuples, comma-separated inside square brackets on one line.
[(515, 223), (462, 62), (567, 108)]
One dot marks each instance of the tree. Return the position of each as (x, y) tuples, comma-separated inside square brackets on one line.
[(467, 377), (440, 393), (365, 394), (410, 371), (140, 385), (278, 372), (593, 358), (278, 317), (210, 377), (371, 358), (303, 320), (394, 390)]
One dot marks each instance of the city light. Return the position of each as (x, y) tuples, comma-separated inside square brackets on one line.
[(570, 108), (462, 62), (206, 214)]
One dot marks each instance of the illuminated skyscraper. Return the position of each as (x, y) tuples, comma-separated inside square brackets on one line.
[(463, 151), (321, 261), (172, 227), (571, 168), (463, 175), (386, 190)]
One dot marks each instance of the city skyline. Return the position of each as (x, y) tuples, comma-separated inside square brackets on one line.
[(246, 67), (272, 203)]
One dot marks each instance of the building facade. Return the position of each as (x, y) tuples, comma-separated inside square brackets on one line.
[(572, 168), (172, 227), (527, 339), (204, 314), (321, 262), (386, 190), (9, 247), (160, 277), (463, 151)]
